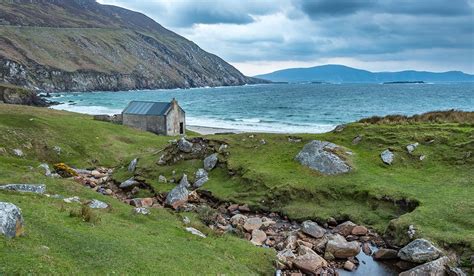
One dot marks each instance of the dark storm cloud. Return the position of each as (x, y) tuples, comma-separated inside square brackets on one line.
[(318, 8)]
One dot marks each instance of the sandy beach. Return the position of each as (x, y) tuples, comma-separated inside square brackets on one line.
[(212, 130)]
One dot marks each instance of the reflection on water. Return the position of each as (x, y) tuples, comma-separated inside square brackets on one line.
[(368, 267)]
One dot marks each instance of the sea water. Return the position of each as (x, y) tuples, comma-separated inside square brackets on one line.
[(289, 108)]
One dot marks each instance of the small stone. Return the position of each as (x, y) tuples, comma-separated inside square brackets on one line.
[(186, 220), (359, 230), (366, 249), (387, 157), (162, 179), (238, 219), (412, 147), (108, 192), (97, 204), (312, 229), (349, 266), (210, 162), (133, 165), (263, 142), (45, 167), (258, 237), (11, 220), (129, 184), (195, 232), (74, 199), (141, 211), (252, 224), (244, 208), (233, 207), (422, 157), (329, 256), (286, 257), (357, 140), (385, 254), (18, 152), (142, 202), (26, 188), (57, 149)]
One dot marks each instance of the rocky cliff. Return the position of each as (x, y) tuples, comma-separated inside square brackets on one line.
[(11, 94), (80, 45)]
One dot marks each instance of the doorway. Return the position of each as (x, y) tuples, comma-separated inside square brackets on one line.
[(181, 128)]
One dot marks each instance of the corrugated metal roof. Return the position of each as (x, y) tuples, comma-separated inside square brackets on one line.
[(147, 108)]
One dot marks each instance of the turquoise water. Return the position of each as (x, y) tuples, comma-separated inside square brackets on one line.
[(288, 108)]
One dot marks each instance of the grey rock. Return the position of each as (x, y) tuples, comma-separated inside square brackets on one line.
[(313, 229), (433, 268), (357, 140), (286, 256), (318, 156), (162, 179), (196, 232), (186, 220), (47, 170), (18, 152), (422, 157), (387, 157), (141, 211), (82, 171), (133, 165), (184, 181), (28, 188), (411, 147), (455, 271), (74, 199), (179, 194), (11, 220), (210, 162), (340, 248), (200, 173), (129, 184), (184, 145), (200, 182), (57, 149), (97, 204), (419, 251)]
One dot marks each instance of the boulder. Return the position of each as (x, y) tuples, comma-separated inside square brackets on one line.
[(210, 162), (252, 224), (349, 266), (11, 220), (433, 268), (196, 232), (200, 173), (179, 194), (419, 251), (129, 184), (312, 229), (320, 156), (201, 178), (133, 165), (345, 228), (258, 237), (387, 157), (385, 254), (309, 262), (45, 167), (359, 230), (28, 188), (184, 145), (97, 204), (411, 147), (340, 248)]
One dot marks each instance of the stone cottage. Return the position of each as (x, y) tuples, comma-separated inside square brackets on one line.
[(158, 117)]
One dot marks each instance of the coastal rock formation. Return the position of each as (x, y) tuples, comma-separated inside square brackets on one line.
[(321, 156), (11, 94), (11, 221), (100, 47)]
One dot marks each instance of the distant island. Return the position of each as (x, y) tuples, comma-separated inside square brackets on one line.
[(343, 74)]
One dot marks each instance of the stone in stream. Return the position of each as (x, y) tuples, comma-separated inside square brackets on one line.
[(28, 188), (320, 156), (97, 204), (184, 145), (349, 266), (45, 167), (387, 157), (195, 232), (340, 248), (419, 251), (433, 268), (312, 229), (309, 261), (210, 162), (133, 165), (252, 224), (179, 194), (385, 254), (129, 184), (258, 237), (11, 220)]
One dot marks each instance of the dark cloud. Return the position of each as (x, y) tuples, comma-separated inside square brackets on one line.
[(318, 8)]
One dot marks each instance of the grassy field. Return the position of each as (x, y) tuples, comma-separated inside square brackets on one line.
[(267, 177)]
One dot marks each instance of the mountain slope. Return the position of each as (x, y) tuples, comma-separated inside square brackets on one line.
[(341, 74), (80, 45)]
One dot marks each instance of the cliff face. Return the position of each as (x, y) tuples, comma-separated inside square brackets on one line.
[(11, 94), (80, 45)]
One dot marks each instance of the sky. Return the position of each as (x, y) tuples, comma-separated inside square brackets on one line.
[(261, 36)]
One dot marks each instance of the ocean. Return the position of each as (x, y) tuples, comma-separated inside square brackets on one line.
[(288, 108)]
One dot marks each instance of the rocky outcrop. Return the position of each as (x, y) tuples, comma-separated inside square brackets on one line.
[(11, 221), (126, 50), (321, 156), (11, 94)]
